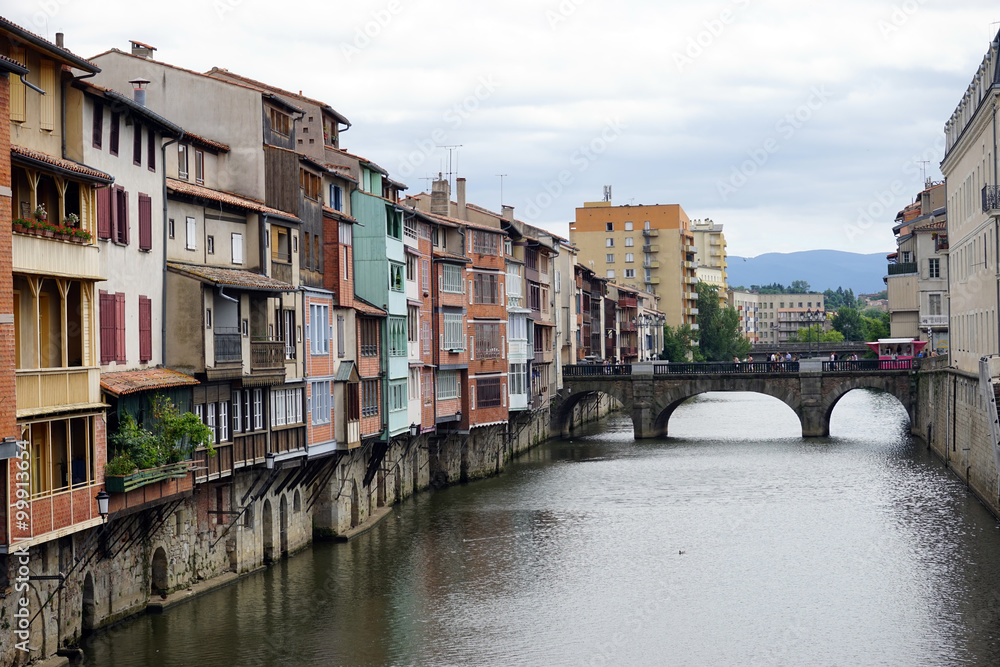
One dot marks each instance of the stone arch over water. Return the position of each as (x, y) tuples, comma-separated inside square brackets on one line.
[(267, 522), (159, 579)]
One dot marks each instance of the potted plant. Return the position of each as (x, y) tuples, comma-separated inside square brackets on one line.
[(71, 220), (81, 235), (21, 225), (40, 213)]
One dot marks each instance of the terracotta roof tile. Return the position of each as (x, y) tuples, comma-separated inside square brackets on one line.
[(65, 54), (61, 163), (450, 255), (10, 64), (217, 275), (342, 171), (185, 188), (129, 382), (208, 143), (363, 306), (338, 214)]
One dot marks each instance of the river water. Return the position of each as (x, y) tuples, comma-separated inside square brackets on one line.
[(732, 542)]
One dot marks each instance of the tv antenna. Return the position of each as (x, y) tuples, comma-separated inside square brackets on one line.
[(607, 193), (923, 170), (501, 190), (450, 173)]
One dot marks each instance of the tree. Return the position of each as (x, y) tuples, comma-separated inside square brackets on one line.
[(816, 333), (678, 343), (719, 336), (876, 325), (799, 287), (849, 322)]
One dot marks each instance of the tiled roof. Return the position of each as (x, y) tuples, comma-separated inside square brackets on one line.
[(208, 143), (935, 226), (60, 163), (266, 86), (452, 256), (185, 188), (129, 382), (217, 275), (338, 214), (126, 101), (11, 65), (342, 171), (363, 306), (40, 42), (361, 159)]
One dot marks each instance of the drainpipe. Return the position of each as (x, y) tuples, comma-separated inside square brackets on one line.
[(163, 289)]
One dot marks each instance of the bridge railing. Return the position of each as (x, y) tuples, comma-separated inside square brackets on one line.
[(869, 365), (588, 370), (726, 368)]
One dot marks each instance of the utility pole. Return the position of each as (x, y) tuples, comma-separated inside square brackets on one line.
[(501, 191)]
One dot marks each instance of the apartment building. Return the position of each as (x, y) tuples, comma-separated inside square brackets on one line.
[(710, 253), (642, 247), (782, 315), (917, 273), (748, 307)]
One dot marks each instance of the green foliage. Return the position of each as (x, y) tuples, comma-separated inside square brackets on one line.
[(719, 336), (678, 343), (174, 436), (876, 324), (815, 333), (849, 322), (840, 299)]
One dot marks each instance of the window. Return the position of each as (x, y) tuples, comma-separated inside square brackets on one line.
[(397, 336), (412, 324), (369, 398), (336, 198), (630, 273), (170, 228), (452, 335), (182, 161), (934, 304), (145, 222), (340, 337), (487, 341), (119, 217), (414, 384), (425, 336), (628, 225), (610, 273), (151, 149), (281, 123), (98, 128), (451, 279), (629, 257), (112, 313), (609, 243), (369, 337), (645, 225), (517, 326), (136, 144), (395, 277), (210, 244), (425, 275), (411, 268), (319, 328), (397, 396), (487, 289), (610, 258), (113, 139), (258, 408), (191, 230), (321, 401), (485, 243), (237, 245), (145, 329), (286, 406), (629, 242), (934, 268), (518, 379), (609, 226), (199, 166), (394, 223), (310, 184), (488, 393), (447, 382), (410, 229)]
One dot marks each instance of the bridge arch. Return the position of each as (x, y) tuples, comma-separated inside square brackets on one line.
[(573, 394), (840, 387), (666, 402)]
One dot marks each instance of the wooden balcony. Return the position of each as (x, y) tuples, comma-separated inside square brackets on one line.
[(52, 257), (267, 358), (46, 389)]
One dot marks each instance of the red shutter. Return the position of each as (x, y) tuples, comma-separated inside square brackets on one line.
[(106, 306), (120, 327), (145, 329), (121, 215), (104, 214), (145, 222)]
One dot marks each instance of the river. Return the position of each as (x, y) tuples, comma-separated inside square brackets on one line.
[(732, 542)]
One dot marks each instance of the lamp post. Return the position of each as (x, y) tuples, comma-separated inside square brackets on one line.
[(102, 499)]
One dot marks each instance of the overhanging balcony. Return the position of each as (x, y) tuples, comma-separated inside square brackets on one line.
[(902, 269), (991, 200), (44, 256), (267, 359), (56, 389)]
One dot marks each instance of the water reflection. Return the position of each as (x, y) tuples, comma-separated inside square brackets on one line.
[(733, 541)]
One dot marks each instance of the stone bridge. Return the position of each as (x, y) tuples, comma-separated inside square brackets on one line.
[(651, 392)]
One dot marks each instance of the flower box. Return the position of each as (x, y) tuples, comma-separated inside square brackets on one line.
[(126, 483)]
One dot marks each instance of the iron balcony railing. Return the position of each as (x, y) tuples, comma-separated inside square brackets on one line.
[(228, 346), (901, 269), (991, 198), (726, 368), (586, 370), (870, 365)]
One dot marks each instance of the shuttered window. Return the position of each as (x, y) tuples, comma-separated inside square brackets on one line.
[(119, 219), (113, 139), (106, 305), (104, 213), (237, 248), (145, 329), (120, 327), (136, 144), (98, 125), (145, 222), (17, 104), (47, 119)]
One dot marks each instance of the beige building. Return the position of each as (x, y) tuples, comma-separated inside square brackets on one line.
[(642, 247), (973, 202), (780, 316), (710, 243), (747, 306)]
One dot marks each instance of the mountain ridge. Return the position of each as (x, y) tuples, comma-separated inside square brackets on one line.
[(822, 269)]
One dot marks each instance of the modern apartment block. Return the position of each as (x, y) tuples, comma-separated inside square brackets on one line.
[(642, 247), (780, 316), (710, 244), (748, 307)]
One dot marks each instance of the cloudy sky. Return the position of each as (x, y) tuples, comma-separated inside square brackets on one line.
[(797, 125)]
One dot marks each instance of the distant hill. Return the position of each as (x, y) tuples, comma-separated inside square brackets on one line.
[(822, 269)]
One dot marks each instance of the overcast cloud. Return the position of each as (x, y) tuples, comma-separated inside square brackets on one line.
[(797, 125)]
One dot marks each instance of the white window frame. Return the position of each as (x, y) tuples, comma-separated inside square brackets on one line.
[(190, 234), (237, 248)]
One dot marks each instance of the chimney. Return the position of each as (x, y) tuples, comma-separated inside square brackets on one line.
[(508, 213), (440, 196), (142, 50), (59, 40), (139, 91), (460, 188)]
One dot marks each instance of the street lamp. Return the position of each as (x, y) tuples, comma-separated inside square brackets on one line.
[(102, 499)]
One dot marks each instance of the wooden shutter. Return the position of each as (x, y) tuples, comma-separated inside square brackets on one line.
[(106, 304), (104, 213), (120, 327), (98, 125), (17, 97), (121, 218), (145, 222), (145, 329)]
